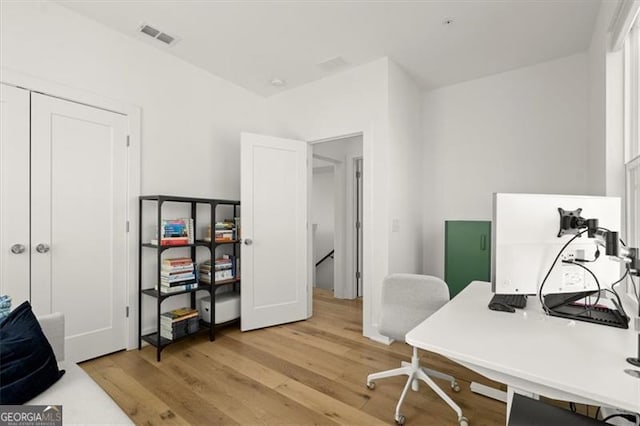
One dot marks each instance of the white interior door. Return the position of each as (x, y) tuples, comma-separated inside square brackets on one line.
[(78, 222), (276, 284), (14, 193)]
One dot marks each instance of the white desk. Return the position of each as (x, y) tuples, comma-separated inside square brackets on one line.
[(532, 353)]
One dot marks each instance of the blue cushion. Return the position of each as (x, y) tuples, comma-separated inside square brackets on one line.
[(27, 363)]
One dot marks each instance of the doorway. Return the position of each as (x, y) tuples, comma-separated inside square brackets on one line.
[(336, 216)]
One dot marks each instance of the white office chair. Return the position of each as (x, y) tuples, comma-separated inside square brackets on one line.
[(407, 300)]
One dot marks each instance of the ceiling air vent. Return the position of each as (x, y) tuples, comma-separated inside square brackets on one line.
[(158, 35)]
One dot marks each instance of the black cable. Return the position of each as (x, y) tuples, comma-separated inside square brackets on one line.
[(613, 290), (597, 413), (622, 311), (626, 272), (590, 305), (551, 268)]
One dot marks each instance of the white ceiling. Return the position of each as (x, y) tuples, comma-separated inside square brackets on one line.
[(251, 42)]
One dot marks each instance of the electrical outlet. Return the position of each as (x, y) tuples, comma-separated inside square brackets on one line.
[(568, 257)]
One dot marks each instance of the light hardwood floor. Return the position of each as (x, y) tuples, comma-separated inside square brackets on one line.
[(310, 372)]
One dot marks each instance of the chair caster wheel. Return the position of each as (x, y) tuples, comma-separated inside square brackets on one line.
[(455, 386), (400, 419), (463, 421), (371, 385)]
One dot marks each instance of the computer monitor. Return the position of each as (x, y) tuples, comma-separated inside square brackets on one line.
[(526, 242)]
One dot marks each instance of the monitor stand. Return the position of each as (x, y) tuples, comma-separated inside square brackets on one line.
[(563, 306), (636, 361)]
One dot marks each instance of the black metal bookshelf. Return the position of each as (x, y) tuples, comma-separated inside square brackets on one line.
[(155, 338)]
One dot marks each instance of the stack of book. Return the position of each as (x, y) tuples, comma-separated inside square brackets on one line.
[(227, 230), (178, 323), (176, 275), (175, 232), (225, 268)]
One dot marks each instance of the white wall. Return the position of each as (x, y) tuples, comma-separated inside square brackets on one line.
[(597, 119), (405, 173), (188, 115), (605, 154), (354, 101), (520, 131), (191, 120), (322, 214)]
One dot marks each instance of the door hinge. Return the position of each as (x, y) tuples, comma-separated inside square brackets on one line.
[(358, 275), (127, 312), (128, 140), (357, 225), (128, 226), (358, 175)]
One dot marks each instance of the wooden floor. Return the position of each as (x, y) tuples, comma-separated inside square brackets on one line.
[(310, 372)]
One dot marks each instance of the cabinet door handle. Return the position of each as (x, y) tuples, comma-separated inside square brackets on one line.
[(17, 248), (483, 242), (42, 248)]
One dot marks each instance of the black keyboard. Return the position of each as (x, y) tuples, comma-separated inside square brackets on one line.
[(515, 300)]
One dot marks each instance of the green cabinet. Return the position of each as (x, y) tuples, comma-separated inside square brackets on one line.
[(467, 253)]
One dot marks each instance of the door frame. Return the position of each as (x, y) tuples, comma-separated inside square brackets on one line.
[(344, 242), (133, 114)]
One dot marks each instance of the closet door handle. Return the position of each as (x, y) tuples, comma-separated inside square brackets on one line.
[(483, 242), (17, 248), (42, 248), (248, 241)]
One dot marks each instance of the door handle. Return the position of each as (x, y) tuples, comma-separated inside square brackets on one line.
[(248, 241), (483, 242), (17, 248), (42, 248)]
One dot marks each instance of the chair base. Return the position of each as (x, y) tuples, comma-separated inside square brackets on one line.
[(415, 374)]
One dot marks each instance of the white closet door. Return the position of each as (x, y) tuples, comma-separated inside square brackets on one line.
[(14, 193), (78, 227)]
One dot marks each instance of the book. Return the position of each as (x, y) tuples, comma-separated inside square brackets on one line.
[(176, 289), (177, 277), (175, 315), (236, 221), (171, 242), (175, 232), (177, 269), (166, 283), (175, 261), (180, 328), (219, 276), (174, 228)]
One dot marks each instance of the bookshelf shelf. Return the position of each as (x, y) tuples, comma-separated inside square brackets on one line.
[(154, 293), (152, 338), (155, 339), (218, 242), (196, 244)]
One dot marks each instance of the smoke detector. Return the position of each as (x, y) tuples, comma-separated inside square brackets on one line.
[(278, 82), (333, 64), (161, 36)]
